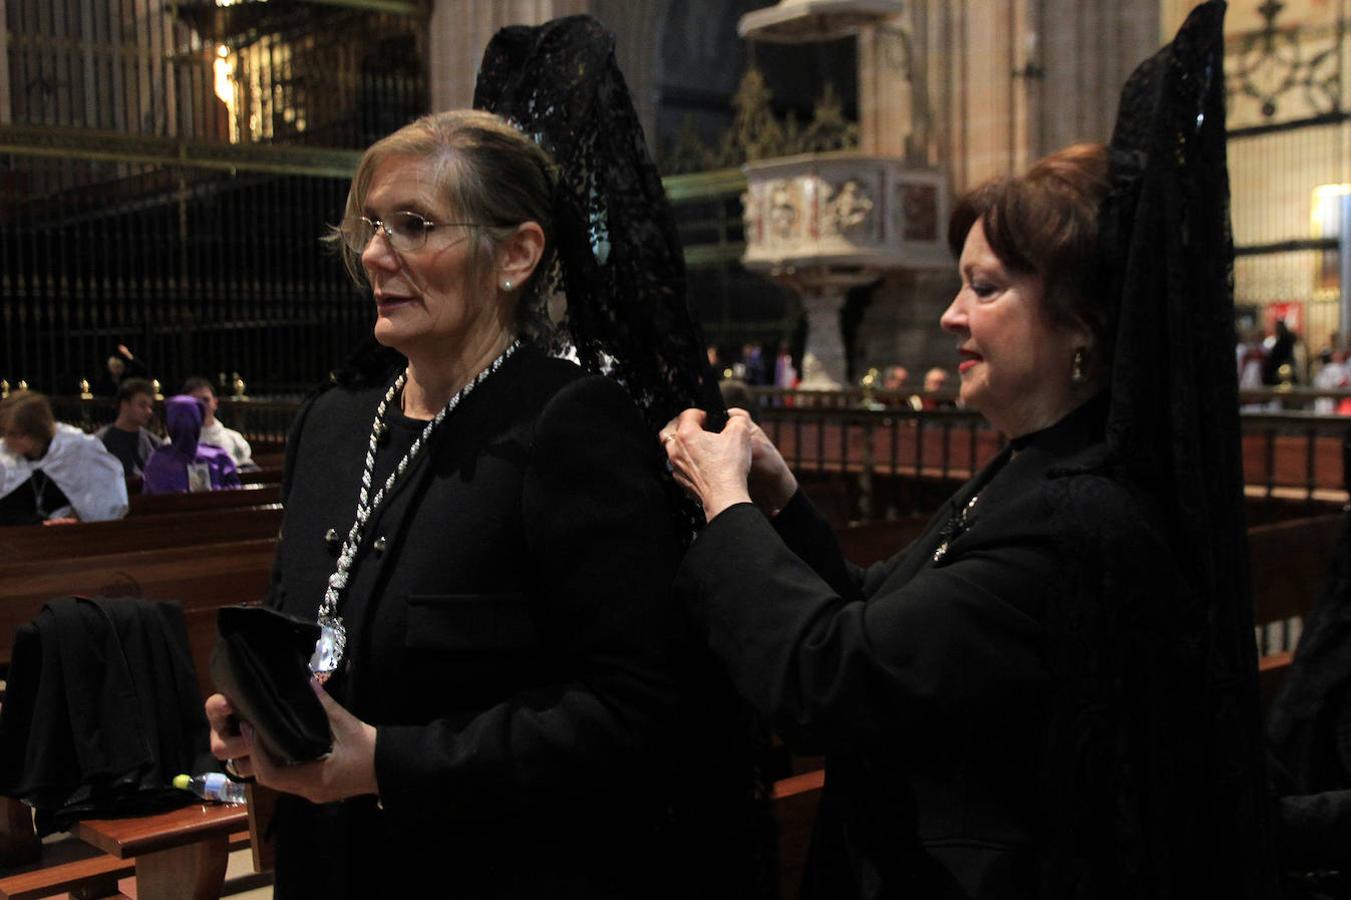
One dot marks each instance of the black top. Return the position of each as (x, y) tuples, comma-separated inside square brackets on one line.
[(128, 446), (924, 679), (32, 502), (511, 636)]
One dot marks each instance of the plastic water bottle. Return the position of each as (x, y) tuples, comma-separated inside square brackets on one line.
[(212, 786)]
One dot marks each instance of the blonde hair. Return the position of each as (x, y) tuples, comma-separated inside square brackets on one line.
[(489, 172)]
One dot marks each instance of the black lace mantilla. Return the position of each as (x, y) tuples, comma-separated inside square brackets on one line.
[(620, 262), (1154, 768)]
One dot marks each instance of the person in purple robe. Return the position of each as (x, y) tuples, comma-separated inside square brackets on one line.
[(184, 464)]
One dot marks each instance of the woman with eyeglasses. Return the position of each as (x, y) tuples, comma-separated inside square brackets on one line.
[(483, 532)]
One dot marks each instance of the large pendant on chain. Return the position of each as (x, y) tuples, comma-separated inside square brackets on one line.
[(328, 649)]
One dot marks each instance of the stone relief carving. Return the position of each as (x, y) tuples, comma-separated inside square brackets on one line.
[(847, 210), (783, 212), (751, 221), (917, 211)]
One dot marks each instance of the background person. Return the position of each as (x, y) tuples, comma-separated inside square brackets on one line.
[(129, 437), (185, 463), (52, 473), (214, 432), (935, 382), (120, 365), (894, 378)]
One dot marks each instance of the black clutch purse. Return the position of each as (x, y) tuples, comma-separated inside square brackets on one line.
[(261, 663)]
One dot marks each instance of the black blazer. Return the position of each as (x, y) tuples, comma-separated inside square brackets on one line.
[(924, 680), (513, 643)]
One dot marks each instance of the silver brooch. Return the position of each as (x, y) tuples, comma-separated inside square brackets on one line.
[(955, 527)]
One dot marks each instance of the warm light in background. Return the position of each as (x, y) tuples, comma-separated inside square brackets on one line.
[(224, 68), (1325, 221)]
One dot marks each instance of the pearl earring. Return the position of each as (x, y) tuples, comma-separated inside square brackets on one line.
[(1077, 374), (506, 285)]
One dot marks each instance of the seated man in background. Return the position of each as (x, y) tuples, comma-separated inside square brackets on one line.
[(213, 431), (894, 378), (53, 473), (128, 438), (935, 382), (185, 463)]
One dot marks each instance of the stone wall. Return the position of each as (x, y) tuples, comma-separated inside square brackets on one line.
[(988, 87)]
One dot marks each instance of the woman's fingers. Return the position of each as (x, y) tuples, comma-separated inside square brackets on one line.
[(347, 771), (226, 740), (240, 766), (690, 422), (262, 766)]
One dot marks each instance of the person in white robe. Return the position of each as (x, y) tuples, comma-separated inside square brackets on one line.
[(51, 472)]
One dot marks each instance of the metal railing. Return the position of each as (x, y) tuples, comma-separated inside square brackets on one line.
[(889, 457), (884, 443)]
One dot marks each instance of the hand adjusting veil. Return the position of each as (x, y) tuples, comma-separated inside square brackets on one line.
[(1154, 776)]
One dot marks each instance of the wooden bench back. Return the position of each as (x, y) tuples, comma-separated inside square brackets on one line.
[(1290, 562), (247, 495), (61, 544), (201, 578), (268, 475)]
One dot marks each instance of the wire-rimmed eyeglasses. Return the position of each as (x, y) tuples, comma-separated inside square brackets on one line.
[(405, 231)]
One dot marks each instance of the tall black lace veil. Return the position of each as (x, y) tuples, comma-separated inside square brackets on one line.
[(1156, 752), (621, 265), (622, 269)]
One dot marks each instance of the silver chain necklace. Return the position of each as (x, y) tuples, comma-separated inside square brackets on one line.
[(332, 641), (39, 493)]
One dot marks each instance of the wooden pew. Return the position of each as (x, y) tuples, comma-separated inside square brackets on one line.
[(201, 578), (173, 855), (180, 854), (267, 475), (270, 459), (247, 495), (795, 802), (1290, 562), (66, 542), (92, 876)]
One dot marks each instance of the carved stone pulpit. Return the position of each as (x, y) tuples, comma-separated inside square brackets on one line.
[(822, 223)]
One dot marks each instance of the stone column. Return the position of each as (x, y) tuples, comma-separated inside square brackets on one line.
[(986, 89), (1172, 13), (824, 361), (886, 89), (6, 107), (900, 324), (1090, 47), (459, 30)]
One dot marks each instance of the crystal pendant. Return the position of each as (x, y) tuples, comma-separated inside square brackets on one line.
[(328, 649)]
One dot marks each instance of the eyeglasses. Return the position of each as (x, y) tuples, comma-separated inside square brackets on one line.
[(405, 231)]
